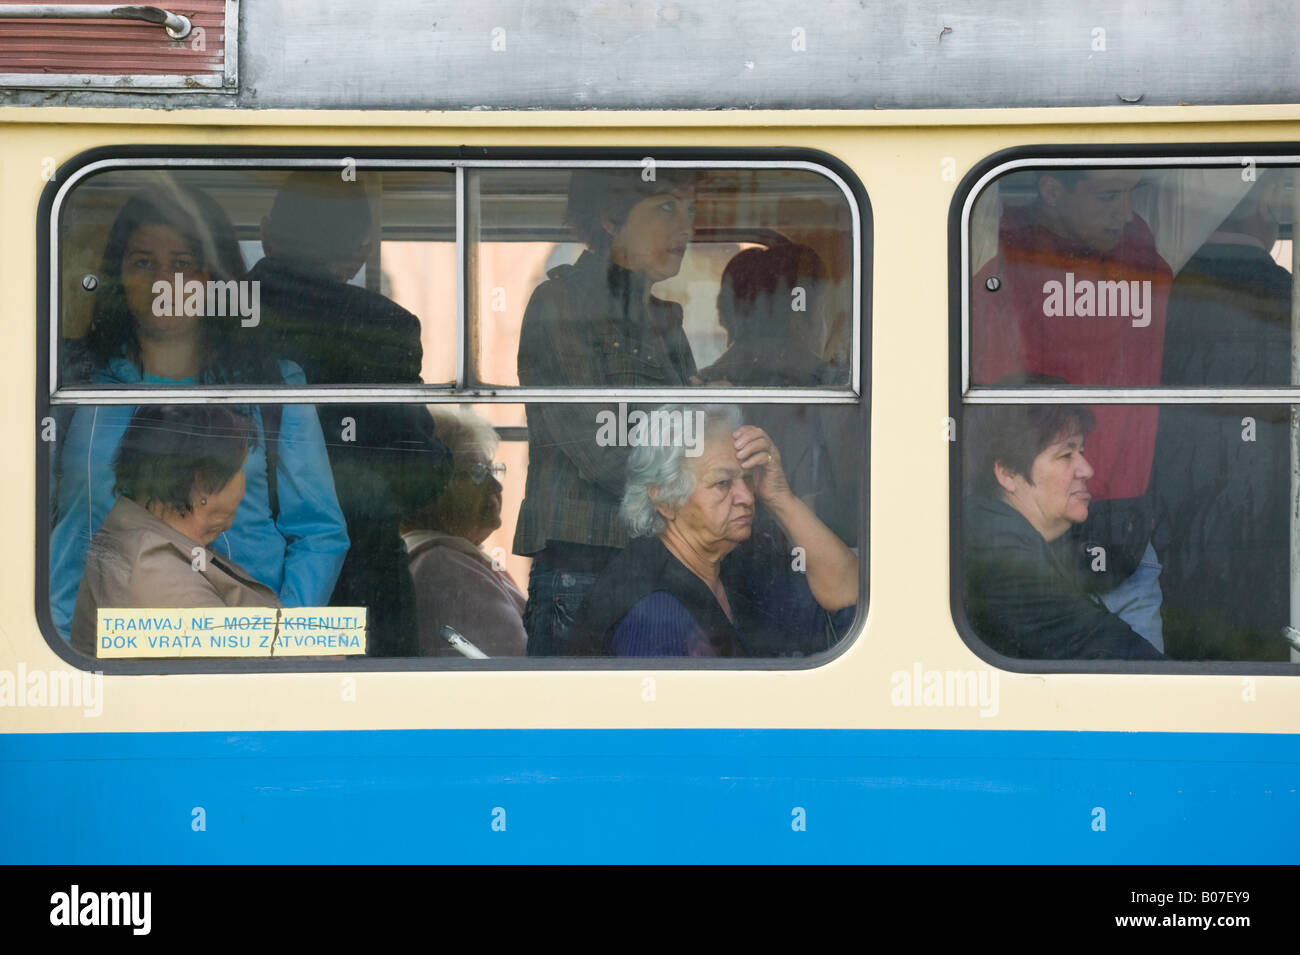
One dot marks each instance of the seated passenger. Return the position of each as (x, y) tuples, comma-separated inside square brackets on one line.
[(595, 324), (456, 583), (318, 235), (289, 532), (677, 589), (773, 339), (180, 478), (1029, 483)]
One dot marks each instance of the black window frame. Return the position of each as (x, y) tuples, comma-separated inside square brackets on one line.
[(1043, 156), (166, 157)]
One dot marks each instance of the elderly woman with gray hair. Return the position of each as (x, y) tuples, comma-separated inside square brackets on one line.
[(678, 589), (457, 585)]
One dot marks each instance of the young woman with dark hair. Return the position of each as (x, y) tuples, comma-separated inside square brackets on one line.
[(288, 532)]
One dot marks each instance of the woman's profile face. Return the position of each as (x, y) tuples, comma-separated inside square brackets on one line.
[(217, 515), (719, 514), (472, 510), (653, 239), (156, 253), (1058, 496)]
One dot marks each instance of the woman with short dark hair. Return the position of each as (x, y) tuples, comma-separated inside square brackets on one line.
[(1028, 479), (180, 481)]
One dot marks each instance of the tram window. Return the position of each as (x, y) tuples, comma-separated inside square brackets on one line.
[(467, 527), (366, 497), (357, 284), (541, 232), (1114, 530), (410, 512), (1133, 277)]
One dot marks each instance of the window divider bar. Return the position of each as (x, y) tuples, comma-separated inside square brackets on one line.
[(427, 395), (462, 281), (1134, 396)]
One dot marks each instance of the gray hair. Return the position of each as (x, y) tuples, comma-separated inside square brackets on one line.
[(658, 473), (463, 431)]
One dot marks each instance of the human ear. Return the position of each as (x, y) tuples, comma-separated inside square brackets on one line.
[(1006, 477), (666, 512), (610, 226)]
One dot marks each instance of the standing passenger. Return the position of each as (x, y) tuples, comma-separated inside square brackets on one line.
[(1223, 472), (288, 532), (595, 324)]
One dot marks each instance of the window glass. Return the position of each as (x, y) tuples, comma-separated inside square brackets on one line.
[(1115, 277), (1118, 530), (1059, 566), (406, 519), (357, 286), (587, 253), (324, 517)]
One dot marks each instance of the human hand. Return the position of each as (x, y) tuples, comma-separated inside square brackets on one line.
[(761, 462)]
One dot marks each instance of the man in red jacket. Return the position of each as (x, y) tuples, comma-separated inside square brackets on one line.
[(1080, 293)]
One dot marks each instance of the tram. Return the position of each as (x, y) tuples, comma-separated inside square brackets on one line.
[(895, 153)]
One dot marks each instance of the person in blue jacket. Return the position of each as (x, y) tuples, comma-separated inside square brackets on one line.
[(288, 532)]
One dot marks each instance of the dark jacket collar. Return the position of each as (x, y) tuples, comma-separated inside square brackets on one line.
[(625, 288)]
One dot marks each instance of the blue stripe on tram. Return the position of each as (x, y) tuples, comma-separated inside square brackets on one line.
[(650, 796)]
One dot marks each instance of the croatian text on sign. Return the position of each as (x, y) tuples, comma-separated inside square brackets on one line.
[(231, 632)]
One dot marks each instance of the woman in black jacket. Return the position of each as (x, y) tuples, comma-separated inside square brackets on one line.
[(1029, 479)]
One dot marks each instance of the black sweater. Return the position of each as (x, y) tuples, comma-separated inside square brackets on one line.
[(1024, 602)]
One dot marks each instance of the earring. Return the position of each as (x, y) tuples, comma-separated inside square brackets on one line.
[(203, 500)]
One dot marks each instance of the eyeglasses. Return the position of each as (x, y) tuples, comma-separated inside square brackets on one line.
[(478, 471)]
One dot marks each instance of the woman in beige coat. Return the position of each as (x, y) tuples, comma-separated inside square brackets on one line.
[(180, 479)]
